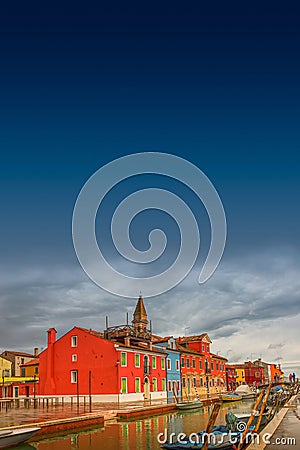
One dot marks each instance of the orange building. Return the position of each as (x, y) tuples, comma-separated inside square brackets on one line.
[(30, 368)]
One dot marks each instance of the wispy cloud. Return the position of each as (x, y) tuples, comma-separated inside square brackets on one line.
[(248, 309)]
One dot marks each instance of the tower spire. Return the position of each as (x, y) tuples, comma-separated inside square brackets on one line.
[(140, 318)]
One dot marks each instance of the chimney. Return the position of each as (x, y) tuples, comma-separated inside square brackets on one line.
[(36, 352), (49, 387), (127, 341), (51, 336)]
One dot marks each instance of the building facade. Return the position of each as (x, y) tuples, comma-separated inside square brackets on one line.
[(17, 359), (119, 365), (168, 345)]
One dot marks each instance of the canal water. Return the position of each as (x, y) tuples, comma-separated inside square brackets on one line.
[(136, 435)]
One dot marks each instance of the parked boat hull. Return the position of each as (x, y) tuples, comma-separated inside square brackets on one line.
[(187, 406), (9, 438), (230, 398)]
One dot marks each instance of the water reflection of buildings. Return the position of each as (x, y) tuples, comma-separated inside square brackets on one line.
[(141, 434)]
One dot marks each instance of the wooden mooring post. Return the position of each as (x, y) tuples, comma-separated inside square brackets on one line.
[(211, 422)]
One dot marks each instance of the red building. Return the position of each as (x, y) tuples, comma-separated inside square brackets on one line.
[(231, 376), (254, 373), (117, 365), (200, 368)]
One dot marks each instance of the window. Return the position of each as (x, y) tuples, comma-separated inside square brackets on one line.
[(22, 360), (201, 382), (182, 362), (36, 370), (193, 364), (137, 360), (183, 382), (194, 382), (207, 348), (188, 363), (154, 384), (168, 364), (169, 386), (177, 364), (200, 363), (213, 382), (217, 366), (163, 384), (23, 372), (163, 363), (74, 341), (203, 348), (153, 362), (123, 359), (138, 385), (74, 358), (212, 366), (74, 376), (124, 385)]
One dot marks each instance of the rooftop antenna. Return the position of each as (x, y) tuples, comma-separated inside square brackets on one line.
[(106, 322), (127, 319), (185, 330)]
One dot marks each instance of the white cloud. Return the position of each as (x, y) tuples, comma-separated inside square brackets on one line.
[(250, 307)]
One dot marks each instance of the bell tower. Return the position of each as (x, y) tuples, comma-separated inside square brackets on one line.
[(140, 320)]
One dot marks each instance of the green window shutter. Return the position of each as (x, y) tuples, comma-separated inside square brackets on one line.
[(123, 359), (124, 385), (137, 385)]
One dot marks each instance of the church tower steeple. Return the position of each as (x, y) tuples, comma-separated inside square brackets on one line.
[(140, 318)]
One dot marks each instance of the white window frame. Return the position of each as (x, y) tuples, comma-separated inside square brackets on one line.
[(177, 364), (139, 380), (154, 381), (74, 376), (139, 358), (124, 353), (74, 341), (74, 357), (169, 364), (153, 362), (124, 378)]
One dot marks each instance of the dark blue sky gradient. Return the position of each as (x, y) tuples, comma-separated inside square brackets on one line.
[(84, 84)]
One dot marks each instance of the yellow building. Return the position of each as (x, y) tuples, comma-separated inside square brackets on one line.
[(5, 367), (240, 374)]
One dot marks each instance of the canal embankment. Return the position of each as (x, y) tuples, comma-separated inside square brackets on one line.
[(283, 431)]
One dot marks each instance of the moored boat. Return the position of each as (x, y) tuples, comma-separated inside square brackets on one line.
[(245, 392), (9, 438), (230, 397), (238, 421), (221, 438), (186, 406)]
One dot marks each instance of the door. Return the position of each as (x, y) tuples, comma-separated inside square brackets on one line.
[(16, 392), (27, 393), (146, 389)]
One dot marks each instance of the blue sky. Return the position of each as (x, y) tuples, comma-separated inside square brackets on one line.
[(81, 86)]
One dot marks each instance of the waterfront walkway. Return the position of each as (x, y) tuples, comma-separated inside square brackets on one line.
[(288, 429)]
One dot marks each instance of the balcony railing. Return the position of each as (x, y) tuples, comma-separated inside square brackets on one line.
[(147, 370)]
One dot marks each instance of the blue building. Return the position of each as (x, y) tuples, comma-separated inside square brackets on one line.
[(168, 345)]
